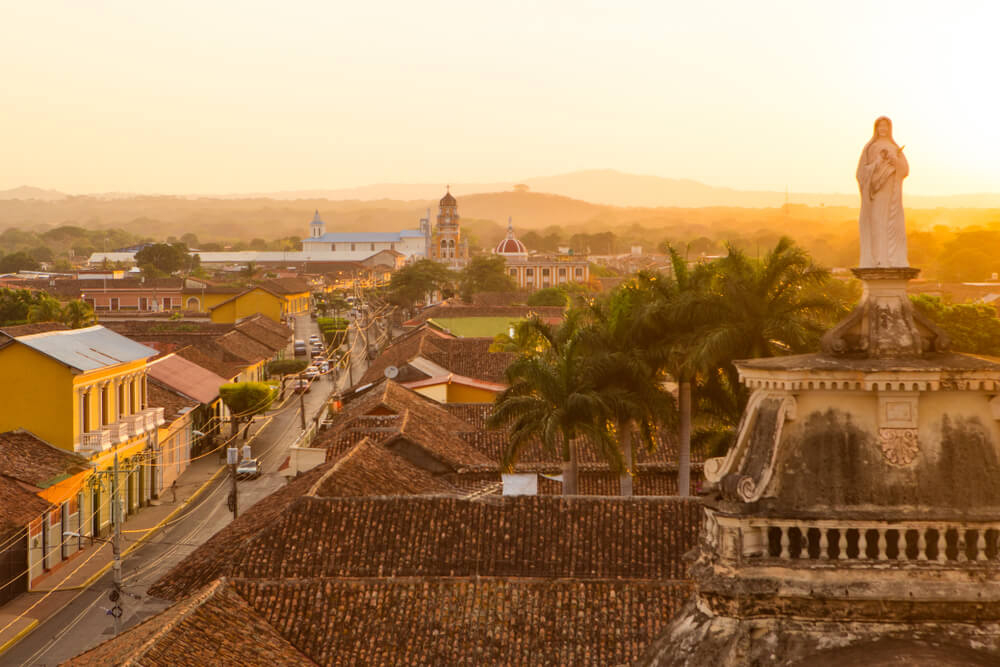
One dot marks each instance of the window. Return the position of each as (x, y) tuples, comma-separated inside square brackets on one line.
[(529, 272), (579, 272), (114, 303), (353, 248), (168, 303), (545, 273), (562, 272), (333, 247), (373, 246), (513, 273)]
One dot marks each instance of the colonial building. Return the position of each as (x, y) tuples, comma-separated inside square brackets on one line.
[(531, 272), (446, 244)]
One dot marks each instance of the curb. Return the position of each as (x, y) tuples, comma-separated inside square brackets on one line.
[(10, 643)]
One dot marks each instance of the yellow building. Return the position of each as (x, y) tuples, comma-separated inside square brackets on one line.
[(454, 388), (84, 390), (252, 301)]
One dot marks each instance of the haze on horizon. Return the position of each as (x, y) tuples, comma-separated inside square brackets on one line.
[(212, 98)]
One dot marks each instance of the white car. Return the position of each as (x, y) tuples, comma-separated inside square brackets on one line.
[(310, 373)]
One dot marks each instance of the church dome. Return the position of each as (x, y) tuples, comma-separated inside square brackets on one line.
[(511, 245), (448, 200)]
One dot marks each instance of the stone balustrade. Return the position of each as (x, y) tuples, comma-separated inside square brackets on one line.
[(136, 424), (95, 441), (119, 431), (873, 542), (154, 418)]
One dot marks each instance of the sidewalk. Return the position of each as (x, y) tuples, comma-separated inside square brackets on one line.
[(66, 581)]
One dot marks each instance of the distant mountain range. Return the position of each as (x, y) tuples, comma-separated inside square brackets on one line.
[(597, 186)]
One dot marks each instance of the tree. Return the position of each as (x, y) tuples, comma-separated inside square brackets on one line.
[(77, 314), (244, 400), (45, 309), (630, 385), (15, 305), (415, 282), (284, 368), (163, 257), (974, 328), (551, 399), (18, 261), (484, 273), (548, 296)]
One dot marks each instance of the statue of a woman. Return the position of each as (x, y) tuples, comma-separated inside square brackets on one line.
[(881, 171)]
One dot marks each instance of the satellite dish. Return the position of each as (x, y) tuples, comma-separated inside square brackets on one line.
[(391, 372)]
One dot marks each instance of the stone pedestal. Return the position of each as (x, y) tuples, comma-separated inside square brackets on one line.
[(885, 325)]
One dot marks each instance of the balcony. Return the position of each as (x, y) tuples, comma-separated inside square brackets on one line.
[(154, 418), (135, 424), (118, 431), (95, 441)]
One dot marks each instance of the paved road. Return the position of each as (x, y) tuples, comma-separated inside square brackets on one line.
[(84, 622)]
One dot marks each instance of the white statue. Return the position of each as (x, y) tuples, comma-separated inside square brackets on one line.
[(881, 171)]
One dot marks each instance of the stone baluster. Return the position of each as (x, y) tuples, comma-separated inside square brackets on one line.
[(960, 543), (981, 544), (922, 544), (942, 544), (863, 543), (842, 544), (785, 555), (881, 548), (901, 544), (824, 544)]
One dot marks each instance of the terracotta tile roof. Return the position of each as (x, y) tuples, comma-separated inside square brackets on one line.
[(186, 377), (214, 627), (29, 459), (440, 536), (647, 481), (275, 337), (368, 469), (419, 423), (172, 402), (211, 559), (464, 356), (286, 285), (225, 369), (242, 347), (547, 313), (475, 414), (488, 621), (18, 505)]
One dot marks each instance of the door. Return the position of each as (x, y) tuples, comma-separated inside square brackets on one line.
[(64, 528), (95, 504), (14, 566)]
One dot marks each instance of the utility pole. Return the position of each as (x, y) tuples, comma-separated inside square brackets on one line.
[(302, 403), (116, 547), (232, 458)]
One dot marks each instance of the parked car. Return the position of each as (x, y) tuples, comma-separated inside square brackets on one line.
[(300, 386), (314, 338), (310, 373), (324, 367), (248, 469), (300, 347)]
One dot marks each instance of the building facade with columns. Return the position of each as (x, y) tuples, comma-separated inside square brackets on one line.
[(532, 272)]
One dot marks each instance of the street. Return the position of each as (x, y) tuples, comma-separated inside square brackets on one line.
[(84, 623)]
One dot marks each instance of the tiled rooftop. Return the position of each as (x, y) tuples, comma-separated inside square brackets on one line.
[(214, 627), (369, 469), (444, 536), (28, 459)]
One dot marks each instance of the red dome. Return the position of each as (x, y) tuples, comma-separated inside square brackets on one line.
[(511, 247)]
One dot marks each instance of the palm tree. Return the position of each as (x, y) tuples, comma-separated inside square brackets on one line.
[(78, 314), (669, 330), (551, 399), (630, 385), (45, 309), (757, 308)]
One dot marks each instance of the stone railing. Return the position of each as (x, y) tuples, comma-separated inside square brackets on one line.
[(136, 424), (119, 431), (95, 441), (154, 418), (874, 541)]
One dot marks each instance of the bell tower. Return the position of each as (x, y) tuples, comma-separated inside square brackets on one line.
[(317, 227)]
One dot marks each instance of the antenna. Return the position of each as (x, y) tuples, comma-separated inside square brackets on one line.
[(391, 372)]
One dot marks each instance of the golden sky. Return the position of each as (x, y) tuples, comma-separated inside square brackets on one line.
[(224, 97)]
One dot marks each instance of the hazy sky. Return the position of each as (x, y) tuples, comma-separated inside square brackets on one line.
[(213, 97)]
